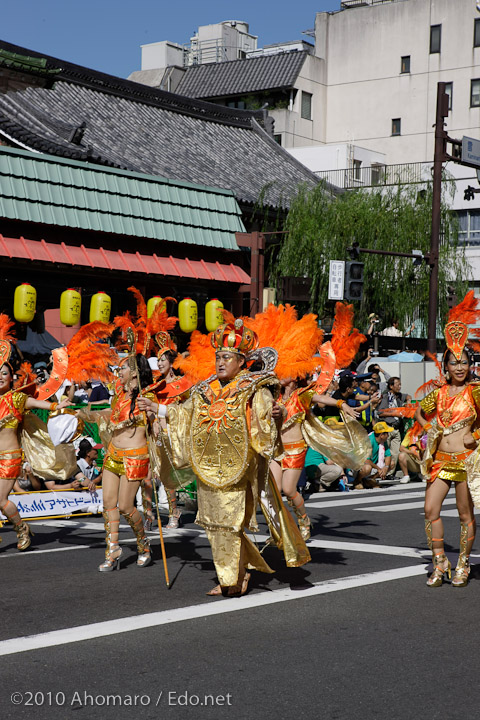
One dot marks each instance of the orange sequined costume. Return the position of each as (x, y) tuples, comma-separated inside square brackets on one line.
[(131, 462), (297, 406), (450, 415), (12, 408)]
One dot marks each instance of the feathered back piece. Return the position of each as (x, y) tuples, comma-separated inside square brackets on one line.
[(89, 359), (6, 339), (145, 328), (200, 362), (296, 341), (25, 375), (436, 382), (346, 339)]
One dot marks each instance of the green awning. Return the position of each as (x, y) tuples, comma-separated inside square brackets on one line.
[(47, 190)]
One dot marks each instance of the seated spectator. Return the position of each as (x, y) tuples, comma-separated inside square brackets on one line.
[(393, 398), (378, 464), (88, 473), (409, 457), (28, 481), (321, 472), (99, 395), (78, 394)]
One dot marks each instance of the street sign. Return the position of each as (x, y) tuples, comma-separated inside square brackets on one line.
[(471, 151), (336, 280)]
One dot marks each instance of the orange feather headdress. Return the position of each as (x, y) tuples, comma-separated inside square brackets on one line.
[(144, 327), (346, 339), (467, 312), (6, 340), (89, 359)]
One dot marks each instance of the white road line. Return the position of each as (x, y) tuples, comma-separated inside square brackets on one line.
[(165, 617), (364, 500), (402, 506)]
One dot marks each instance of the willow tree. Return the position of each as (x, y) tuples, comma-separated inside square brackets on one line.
[(396, 218)]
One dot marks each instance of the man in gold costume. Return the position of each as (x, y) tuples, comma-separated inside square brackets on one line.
[(227, 432)]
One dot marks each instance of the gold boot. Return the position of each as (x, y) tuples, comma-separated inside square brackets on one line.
[(462, 571), (436, 578), (428, 533), (304, 522), (23, 535), (113, 552), (134, 519)]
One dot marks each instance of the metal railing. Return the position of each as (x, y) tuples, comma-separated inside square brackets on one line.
[(345, 4), (377, 175)]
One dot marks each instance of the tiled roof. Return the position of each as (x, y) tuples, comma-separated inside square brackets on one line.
[(67, 193), (146, 130), (238, 77)]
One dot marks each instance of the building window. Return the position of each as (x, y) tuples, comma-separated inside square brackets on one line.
[(475, 93), (405, 64), (449, 92), (435, 38), (306, 105), (469, 227), (476, 33), (396, 126), (357, 169), (278, 138)]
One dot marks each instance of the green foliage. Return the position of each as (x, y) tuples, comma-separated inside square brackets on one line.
[(395, 218)]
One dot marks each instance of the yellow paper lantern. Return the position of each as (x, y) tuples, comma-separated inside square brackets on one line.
[(100, 306), (24, 303), (70, 307), (187, 315), (152, 304), (213, 314)]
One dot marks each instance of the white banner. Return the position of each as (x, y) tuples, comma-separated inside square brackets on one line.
[(336, 280), (66, 502)]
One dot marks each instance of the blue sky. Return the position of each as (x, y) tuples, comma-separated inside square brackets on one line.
[(106, 34)]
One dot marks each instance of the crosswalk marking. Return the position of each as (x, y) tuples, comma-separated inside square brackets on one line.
[(402, 506), (379, 497), (66, 636)]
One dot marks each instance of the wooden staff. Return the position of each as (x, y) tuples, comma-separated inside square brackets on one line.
[(134, 369)]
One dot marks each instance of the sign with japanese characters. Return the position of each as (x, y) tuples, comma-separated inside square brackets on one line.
[(46, 503), (336, 280)]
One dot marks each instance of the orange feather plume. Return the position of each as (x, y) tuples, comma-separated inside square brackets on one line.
[(296, 341), (346, 339), (87, 358), (25, 375), (467, 311), (407, 411), (5, 326), (200, 362), (160, 320), (435, 382)]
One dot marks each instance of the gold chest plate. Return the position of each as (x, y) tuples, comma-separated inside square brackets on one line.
[(219, 438)]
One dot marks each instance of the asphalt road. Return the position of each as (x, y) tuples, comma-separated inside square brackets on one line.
[(354, 634)]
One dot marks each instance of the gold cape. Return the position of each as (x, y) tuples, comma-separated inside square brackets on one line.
[(346, 445), (48, 461)]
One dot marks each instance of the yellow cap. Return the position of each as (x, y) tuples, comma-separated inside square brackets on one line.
[(382, 427)]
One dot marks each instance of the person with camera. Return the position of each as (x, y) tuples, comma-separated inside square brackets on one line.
[(393, 398)]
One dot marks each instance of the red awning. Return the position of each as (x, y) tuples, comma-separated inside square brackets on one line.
[(101, 259)]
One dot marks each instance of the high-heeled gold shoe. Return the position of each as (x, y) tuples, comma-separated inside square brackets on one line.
[(437, 576), (113, 553), (462, 571), (462, 575), (24, 532), (143, 543)]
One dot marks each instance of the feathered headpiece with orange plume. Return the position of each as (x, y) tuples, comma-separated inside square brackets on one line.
[(346, 339), (467, 312), (144, 327), (88, 358)]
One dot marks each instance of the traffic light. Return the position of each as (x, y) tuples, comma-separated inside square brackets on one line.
[(353, 280), (452, 298)]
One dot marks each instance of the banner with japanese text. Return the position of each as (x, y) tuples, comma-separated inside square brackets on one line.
[(66, 502)]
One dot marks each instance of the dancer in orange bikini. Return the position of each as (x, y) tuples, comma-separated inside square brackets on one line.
[(450, 415)]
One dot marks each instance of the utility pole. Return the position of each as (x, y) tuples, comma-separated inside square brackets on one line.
[(440, 155)]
